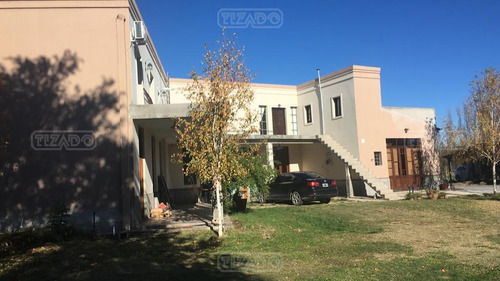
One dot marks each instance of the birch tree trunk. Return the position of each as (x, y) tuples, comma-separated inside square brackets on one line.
[(220, 212), (494, 179)]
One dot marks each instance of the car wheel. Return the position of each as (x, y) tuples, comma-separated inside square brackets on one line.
[(296, 198), (261, 199), (325, 201)]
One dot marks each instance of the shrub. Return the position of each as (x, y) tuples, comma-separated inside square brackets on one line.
[(413, 195), (58, 222)]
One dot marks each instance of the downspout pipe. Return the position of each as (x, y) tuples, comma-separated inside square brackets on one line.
[(322, 115)]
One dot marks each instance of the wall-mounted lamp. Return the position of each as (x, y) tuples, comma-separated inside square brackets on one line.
[(406, 130), (149, 72)]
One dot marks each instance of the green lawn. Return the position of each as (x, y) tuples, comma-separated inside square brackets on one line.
[(452, 239)]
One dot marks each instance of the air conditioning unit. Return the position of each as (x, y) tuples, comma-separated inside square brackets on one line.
[(139, 31)]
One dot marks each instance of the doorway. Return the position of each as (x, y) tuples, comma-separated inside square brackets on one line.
[(281, 155), (279, 122), (404, 163)]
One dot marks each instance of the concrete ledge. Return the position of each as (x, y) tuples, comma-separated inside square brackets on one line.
[(158, 111), (283, 138)]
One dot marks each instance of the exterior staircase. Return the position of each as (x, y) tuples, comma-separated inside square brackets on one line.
[(357, 167)]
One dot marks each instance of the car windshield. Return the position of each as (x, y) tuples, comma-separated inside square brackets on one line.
[(310, 175)]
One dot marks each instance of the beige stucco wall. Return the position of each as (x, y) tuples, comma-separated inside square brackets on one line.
[(269, 95), (375, 123), (295, 157), (275, 96), (365, 124), (343, 129)]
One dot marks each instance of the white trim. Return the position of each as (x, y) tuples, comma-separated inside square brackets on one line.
[(332, 107), (305, 115), (296, 120), (266, 119), (375, 158)]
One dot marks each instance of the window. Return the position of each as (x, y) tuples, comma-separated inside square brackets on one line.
[(402, 153), (140, 72), (295, 130), (377, 158), (336, 107), (308, 114), (403, 142), (263, 119)]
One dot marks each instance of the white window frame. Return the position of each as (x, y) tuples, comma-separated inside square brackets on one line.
[(295, 125), (260, 119), (334, 111), (375, 158), (305, 115)]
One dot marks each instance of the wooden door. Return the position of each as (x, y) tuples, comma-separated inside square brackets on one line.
[(404, 167), (281, 155), (279, 122)]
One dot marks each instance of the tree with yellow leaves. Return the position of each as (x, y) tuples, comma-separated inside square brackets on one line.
[(213, 136), (478, 137), (483, 109)]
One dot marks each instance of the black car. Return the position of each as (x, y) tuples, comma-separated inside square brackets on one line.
[(302, 186)]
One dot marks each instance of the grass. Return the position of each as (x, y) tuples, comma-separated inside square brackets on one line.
[(452, 239)]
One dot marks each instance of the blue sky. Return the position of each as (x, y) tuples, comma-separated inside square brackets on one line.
[(428, 51)]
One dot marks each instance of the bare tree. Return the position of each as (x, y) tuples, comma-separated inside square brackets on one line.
[(430, 155), (483, 108), (479, 136), (220, 119)]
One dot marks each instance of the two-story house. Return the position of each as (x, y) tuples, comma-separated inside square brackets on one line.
[(90, 67)]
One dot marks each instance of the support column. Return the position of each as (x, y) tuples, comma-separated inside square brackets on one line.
[(348, 182), (270, 154)]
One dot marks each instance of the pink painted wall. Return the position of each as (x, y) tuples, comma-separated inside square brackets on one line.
[(376, 123), (97, 32)]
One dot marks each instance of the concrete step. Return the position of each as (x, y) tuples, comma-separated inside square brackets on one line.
[(357, 167)]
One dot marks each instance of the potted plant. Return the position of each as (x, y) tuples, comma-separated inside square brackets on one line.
[(432, 193), (443, 186), (240, 199)]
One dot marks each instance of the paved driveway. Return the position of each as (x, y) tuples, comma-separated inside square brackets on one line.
[(476, 188)]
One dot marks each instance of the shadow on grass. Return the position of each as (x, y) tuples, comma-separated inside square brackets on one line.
[(161, 256)]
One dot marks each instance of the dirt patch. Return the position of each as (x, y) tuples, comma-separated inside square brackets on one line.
[(237, 224), (492, 207), (429, 231)]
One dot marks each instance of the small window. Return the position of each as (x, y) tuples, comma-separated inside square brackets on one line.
[(308, 114), (377, 158), (336, 107), (263, 120), (140, 72)]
